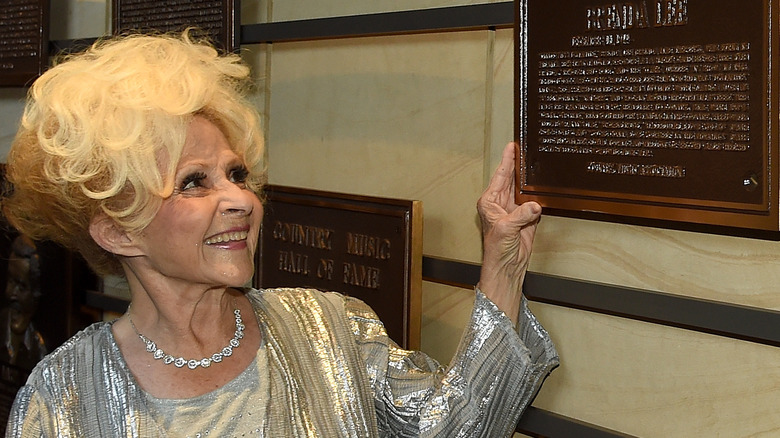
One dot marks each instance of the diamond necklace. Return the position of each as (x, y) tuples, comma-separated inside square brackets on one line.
[(206, 362)]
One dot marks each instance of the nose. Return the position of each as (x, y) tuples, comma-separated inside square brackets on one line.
[(236, 200)]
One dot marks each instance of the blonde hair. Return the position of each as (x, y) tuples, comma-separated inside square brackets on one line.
[(102, 133)]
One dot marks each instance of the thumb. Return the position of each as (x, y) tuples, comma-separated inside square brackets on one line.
[(526, 213)]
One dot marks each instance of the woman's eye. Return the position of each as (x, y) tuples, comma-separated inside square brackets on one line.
[(192, 181), (239, 175)]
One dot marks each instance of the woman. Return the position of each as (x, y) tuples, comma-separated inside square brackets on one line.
[(143, 155)]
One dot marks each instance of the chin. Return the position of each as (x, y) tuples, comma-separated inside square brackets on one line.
[(243, 284), (240, 280)]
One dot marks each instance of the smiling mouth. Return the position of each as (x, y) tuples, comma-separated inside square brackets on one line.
[(230, 236)]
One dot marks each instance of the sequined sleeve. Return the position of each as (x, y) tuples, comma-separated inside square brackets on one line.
[(494, 375), (26, 419)]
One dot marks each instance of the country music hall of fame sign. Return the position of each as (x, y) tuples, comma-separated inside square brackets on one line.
[(653, 109), (366, 247)]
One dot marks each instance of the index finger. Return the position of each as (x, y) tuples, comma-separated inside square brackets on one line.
[(503, 177)]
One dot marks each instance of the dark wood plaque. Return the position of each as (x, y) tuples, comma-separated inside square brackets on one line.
[(24, 41), (219, 19), (658, 109), (366, 247)]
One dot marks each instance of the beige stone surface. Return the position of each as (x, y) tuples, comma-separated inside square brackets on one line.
[(79, 19), (446, 311), (11, 108), (255, 11), (396, 117), (655, 381), (723, 268), (257, 57), (501, 77)]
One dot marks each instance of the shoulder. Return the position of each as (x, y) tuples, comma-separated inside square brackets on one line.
[(305, 302), (308, 296), (75, 356), (66, 387), (88, 338), (296, 297)]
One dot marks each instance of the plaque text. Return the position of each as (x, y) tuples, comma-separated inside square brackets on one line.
[(634, 15), (366, 247)]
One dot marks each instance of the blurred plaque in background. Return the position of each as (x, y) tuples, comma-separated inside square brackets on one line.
[(659, 109), (218, 19), (41, 290), (24, 41), (366, 247)]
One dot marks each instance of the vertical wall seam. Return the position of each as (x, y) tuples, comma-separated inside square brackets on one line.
[(269, 49), (489, 90)]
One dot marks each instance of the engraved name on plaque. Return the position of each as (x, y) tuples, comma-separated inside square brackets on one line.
[(366, 247), (24, 41), (659, 109), (218, 19)]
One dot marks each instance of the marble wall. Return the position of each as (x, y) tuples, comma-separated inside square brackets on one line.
[(425, 117)]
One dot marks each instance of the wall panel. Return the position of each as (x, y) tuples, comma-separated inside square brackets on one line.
[(395, 117), (655, 381), (446, 310), (722, 268)]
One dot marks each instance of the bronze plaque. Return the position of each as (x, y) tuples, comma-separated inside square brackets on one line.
[(24, 41), (366, 247), (219, 19), (660, 109)]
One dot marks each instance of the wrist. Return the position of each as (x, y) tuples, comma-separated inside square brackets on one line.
[(505, 292)]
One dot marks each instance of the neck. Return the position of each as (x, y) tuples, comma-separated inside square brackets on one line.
[(192, 363), (173, 312)]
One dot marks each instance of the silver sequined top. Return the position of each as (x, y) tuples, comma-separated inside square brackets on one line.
[(326, 369)]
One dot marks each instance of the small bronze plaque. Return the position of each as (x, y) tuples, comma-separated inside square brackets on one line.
[(24, 41), (219, 19), (366, 247), (660, 109)]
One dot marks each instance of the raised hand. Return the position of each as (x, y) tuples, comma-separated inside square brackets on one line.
[(507, 237)]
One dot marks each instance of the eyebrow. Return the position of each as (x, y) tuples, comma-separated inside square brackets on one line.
[(201, 163)]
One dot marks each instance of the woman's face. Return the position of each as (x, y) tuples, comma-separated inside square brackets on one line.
[(207, 231)]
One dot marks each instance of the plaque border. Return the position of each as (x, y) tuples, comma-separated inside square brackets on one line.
[(23, 78), (228, 40), (725, 218), (409, 211)]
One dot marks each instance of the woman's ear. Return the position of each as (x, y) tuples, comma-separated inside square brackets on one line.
[(111, 237)]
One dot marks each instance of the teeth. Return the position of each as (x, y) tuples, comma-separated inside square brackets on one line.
[(227, 237)]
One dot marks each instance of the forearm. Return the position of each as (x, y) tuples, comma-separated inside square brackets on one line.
[(509, 303), (495, 373), (493, 376)]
